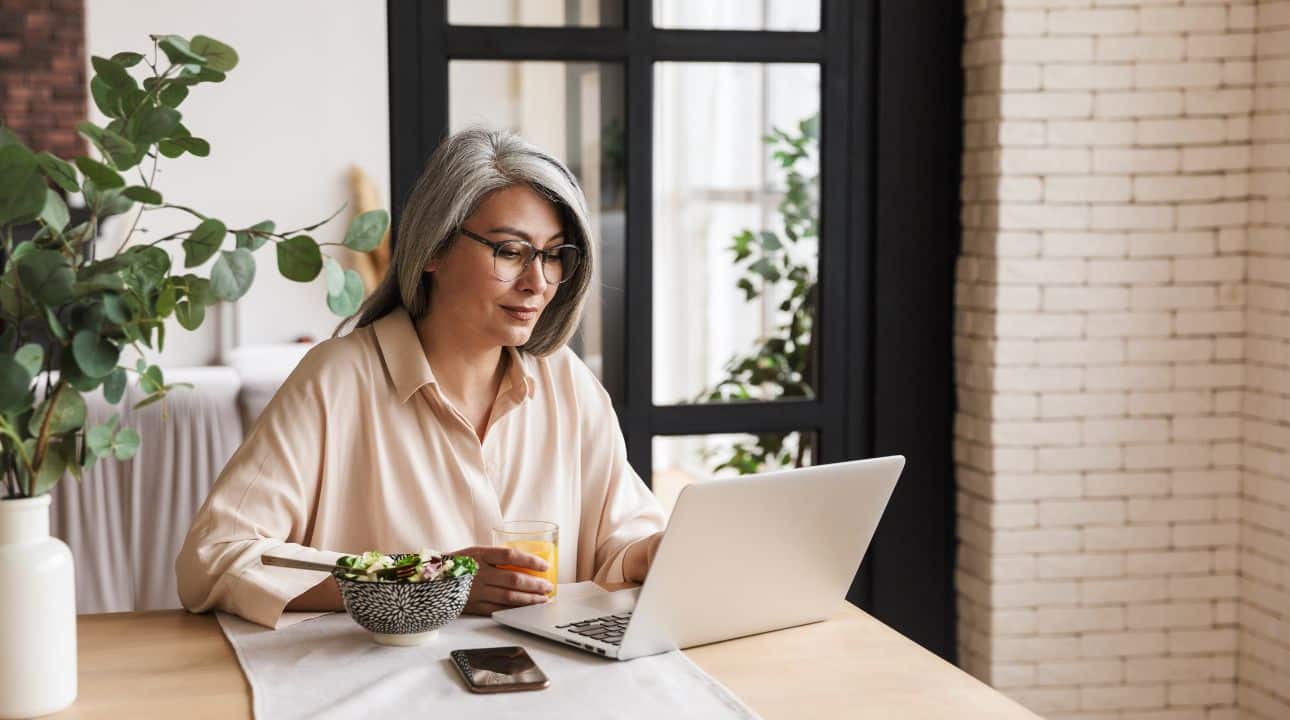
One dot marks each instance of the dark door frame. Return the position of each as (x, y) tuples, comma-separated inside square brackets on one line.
[(891, 97)]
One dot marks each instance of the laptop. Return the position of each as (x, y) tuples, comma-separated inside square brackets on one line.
[(740, 556)]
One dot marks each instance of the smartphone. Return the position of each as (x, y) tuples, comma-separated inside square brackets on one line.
[(499, 669)]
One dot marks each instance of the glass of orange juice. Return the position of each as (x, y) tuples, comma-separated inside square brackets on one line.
[(535, 537)]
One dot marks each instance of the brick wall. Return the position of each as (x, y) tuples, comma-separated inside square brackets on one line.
[(1264, 668), (42, 73), (1101, 353)]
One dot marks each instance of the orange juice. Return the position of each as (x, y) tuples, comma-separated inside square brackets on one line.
[(544, 549)]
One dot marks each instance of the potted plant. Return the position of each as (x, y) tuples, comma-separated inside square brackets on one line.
[(69, 308)]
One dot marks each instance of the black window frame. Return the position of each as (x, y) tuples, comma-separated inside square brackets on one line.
[(890, 104)]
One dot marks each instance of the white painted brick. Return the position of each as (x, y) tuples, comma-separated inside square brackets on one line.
[(1191, 187), (1061, 299), (1140, 324), (1080, 458), (1136, 537), (1065, 567), (1224, 214), (1082, 405), (1043, 162), (1091, 133), (1216, 586), (1125, 697), (1046, 105), (1166, 669), (1199, 102), (1136, 160), (1080, 352), (1173, 297), (1169, 615), (1189, 19), (1132, 217), (1042, 217), (1122, 644), (1189, 642), (1104, 431), (1197, 131), (1202, 694), (1056, 621), (1223, 157), (1163, 350), (1178, 74), (1231, 45), (1138, 104), (1170, 403), (1059, 513), (1088, 189), (1172, 244), (1166, 563), (1141, 47), (1059, 244), (1092, 22), (1046, 49), (1081, 672)]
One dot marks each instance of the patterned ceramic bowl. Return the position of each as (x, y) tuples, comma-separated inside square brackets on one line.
[(404, 613)]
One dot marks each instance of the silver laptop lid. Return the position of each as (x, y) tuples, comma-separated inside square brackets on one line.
[(757, 553)]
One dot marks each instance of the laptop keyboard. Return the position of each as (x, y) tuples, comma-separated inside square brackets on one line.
[(607, 629)]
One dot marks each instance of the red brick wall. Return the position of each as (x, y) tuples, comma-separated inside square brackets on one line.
[(42, 73)]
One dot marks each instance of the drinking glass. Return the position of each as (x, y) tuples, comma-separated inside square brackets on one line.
[(535, 537)]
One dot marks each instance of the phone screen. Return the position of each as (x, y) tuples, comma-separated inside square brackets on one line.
[(499, 669)]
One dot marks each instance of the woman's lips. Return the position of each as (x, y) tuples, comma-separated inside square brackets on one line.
[(522, 314)]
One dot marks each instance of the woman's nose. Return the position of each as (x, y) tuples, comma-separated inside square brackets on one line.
[(532, 277)]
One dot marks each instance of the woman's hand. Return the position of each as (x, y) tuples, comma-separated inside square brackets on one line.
[(639, 558), (496, 588)]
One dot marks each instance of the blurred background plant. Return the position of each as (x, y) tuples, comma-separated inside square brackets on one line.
[(781, 364), (68, 308)]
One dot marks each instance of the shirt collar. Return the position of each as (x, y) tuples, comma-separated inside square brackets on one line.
[(409, 370)]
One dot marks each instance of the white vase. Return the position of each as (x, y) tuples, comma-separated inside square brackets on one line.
[(37, 612)]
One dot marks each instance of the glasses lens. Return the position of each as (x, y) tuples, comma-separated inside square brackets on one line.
[(563, 264), (511, 259)]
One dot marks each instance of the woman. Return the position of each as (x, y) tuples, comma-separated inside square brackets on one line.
[(454, 404)]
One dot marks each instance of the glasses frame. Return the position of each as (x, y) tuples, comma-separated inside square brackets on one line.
[(549, 254)]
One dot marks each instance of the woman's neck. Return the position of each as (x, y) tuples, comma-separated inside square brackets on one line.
[(468, 372)]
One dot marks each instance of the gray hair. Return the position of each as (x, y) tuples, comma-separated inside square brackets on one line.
[(465, 168)]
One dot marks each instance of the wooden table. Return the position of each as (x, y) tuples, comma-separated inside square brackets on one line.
[(170, 664)]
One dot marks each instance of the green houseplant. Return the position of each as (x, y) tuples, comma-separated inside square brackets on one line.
[(781, 364), (69, 305)]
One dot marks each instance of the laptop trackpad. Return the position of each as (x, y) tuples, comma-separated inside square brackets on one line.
[(573, 601)]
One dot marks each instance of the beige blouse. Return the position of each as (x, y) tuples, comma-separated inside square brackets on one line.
[(359, 450)]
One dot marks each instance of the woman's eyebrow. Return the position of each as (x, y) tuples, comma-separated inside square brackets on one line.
[(521, 234)]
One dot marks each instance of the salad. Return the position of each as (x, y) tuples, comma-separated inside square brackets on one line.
[(430, 566)]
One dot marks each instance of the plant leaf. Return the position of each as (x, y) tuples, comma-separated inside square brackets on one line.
[(114, 386), (347, 302), (54, 214), (113, 73), (365, 231), (31, 356), (126, 443), (142, 194), (178, 51), (233, 274), (51, 469), (203, 242), (299, 258), (254, 237), (152, 124), (118, 150), (172, 95), (22, 190), (60, 171), (103, 176), (67, 413), (15, 383), (218, 55), (96, 356), (127, 59), (46, 276), (190, 314)]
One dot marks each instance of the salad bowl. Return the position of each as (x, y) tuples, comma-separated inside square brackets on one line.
[(405, 611)]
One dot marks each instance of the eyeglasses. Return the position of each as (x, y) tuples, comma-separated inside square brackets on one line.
[(512, 257)]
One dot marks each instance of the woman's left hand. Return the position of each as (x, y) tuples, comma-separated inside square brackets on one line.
[(639, 558)]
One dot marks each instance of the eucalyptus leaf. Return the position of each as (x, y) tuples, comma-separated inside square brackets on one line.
[(127, 59), (152, 124), (254, 237), (233, 274), (96, 356), (142, 194), (15, 383), (190, 314), (334, 274), (218, 55), (114, 307), (178, 51), (32, 357), (61, 172), (103, 176), (203, 242), (126, 443), (54, 214), (347, 302), (51, 469), (65, 413), (117, 149), (47, 276), (114, 386), (173, 95), (299, 258), (22, 190), (192, 145), (365, 231), (99, 439), (112, 73)]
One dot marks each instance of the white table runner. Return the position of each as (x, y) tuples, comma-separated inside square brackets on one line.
[(329, 667)]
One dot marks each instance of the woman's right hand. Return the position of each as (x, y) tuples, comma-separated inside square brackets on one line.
[(496, 588)]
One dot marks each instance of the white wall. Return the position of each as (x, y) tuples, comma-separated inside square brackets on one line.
[(308, 98)]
